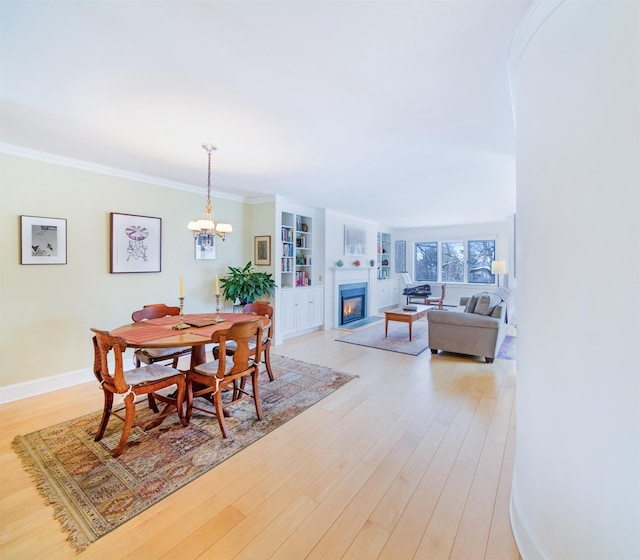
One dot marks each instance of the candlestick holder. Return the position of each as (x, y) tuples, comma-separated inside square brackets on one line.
[(181, 325), (218, 318)]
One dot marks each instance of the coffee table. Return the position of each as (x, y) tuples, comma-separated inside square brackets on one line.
[(401, 316)]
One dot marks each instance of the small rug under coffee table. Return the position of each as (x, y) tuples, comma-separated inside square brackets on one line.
[(397, 339), (92, 493)]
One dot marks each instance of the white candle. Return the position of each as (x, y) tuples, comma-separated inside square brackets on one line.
[(181, 290), (217, 286)]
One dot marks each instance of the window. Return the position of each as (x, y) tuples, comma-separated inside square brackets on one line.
[(455, 261), (426, 262), (481, 255), (452, 261)]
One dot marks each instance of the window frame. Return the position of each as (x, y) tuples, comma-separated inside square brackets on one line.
[(466, 274)]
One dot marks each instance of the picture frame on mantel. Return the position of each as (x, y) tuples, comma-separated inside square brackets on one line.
[(262, 250), (136, 243), (355, 241), (43, 240)]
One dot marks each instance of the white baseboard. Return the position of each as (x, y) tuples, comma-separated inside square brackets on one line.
[(43, 385), (526, 542)]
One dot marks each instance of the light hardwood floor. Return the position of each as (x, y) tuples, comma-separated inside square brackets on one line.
[(411, 460)]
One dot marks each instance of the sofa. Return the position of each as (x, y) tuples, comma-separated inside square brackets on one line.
[(476, 328)]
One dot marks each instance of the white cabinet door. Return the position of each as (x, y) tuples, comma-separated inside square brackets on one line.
[(316, 307), (303, 315), (288, 312)]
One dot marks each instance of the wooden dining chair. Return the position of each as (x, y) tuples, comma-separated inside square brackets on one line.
[(264, 308), (155, 355), (131, 383), (437, 300), (227, 372)]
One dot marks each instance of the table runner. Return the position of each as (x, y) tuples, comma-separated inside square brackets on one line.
[(146, 332)]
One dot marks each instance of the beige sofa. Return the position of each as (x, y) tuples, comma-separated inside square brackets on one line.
[(477, 328)]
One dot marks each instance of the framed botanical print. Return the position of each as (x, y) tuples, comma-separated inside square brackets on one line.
[(43, 240), (136, 243), (262, 250)]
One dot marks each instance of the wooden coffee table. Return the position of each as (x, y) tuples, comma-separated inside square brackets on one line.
[(401, 316)]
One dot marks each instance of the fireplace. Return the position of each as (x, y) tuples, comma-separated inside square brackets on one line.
[(352, 302)]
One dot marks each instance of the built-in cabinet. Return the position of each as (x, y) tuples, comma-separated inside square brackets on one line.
[(296, 261), (301, 310), (300, 301), (388, 293), (384, 255)]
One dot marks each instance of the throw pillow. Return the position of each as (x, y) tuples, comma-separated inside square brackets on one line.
[(473, 301), (486, 304)]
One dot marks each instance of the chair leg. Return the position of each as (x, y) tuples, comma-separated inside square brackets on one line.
[(130, 413), (152, 403), (217, 403), (267, 360), (189, 401), (180, 403), (256, 394), (108, 404)]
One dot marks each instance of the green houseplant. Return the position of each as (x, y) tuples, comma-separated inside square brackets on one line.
[(246, 284)]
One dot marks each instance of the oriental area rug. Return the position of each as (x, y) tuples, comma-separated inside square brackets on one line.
[(397, 339), (92, 493)]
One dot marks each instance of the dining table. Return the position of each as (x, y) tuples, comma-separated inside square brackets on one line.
[(162, 333)]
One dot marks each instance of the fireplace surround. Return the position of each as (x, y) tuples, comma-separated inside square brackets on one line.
[(352, 302)]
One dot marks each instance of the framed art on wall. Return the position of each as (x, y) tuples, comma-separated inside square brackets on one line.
[(136, 243), (205, 248), (262, 250), (355, 241), (43, 240)]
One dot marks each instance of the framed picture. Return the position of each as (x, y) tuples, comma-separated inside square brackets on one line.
[(262, 250), (401, 256), (355, 241), (43, 240), (205, 248), (136, 243)]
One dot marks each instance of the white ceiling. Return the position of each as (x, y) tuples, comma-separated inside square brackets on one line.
[(395, 111)]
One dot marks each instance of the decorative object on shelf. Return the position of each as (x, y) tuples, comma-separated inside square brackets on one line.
[(136, 243), (355, 241), (339, 264), (206, 226), (246, 284), (43, 240), (498, 268), (372, 263), (305, 228), (262, 250), (356, 263)]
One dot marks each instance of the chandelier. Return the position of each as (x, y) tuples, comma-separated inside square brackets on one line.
[(205, 228)]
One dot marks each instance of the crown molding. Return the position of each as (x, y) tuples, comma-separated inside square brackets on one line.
[(46, 157)]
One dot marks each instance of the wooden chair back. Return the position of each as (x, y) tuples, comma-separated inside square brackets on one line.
[(245, 355), (262, 307), (154, 311), (103, 343)]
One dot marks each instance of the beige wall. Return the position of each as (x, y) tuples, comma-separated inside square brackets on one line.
[(47, 310)]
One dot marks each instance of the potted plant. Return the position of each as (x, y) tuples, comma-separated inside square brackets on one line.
[(246, 284)]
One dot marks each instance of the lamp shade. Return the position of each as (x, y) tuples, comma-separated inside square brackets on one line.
[(498, 267)]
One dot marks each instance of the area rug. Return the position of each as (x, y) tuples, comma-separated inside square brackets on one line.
[(507, 348), (92, 493), (397, 339)]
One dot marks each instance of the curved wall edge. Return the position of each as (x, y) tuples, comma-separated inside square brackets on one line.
[(528, 546), (533, 20)]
